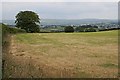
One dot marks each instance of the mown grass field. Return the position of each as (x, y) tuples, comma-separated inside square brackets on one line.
[(83, 55)]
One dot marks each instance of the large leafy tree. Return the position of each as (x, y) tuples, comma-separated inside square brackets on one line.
[(28, 20)]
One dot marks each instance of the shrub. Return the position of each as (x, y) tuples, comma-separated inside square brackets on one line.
[(8, 30), (79, 29), (90, 30), (69, 29)]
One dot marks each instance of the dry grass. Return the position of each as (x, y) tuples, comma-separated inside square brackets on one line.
[(80, 55)]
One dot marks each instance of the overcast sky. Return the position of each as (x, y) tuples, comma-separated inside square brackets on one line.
[(62, 10), (59, 0)]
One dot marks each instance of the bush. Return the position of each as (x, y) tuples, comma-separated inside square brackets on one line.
[(69, 29), (82, 30), (8, 30), (90, 30), (79, 29)]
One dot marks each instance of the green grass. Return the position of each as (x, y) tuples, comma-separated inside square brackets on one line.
[(93, 38), (83, 74), (90, 52), (109, 65)]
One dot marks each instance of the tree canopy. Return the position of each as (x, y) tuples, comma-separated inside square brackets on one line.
[(69, 29), (28, 21)]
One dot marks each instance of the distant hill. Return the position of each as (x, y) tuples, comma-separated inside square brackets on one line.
[(67, 21), (74, 21)]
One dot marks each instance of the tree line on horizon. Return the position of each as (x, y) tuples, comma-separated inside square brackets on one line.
[(30, 22)]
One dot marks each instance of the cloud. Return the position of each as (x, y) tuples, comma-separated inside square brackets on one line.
[(63, 10), (0, 11), (60, 0)]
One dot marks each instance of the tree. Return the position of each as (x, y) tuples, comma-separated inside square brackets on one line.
[(69, 29), (28, 21)]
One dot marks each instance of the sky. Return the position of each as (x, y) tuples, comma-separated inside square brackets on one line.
[(59, 9), (59, 0)]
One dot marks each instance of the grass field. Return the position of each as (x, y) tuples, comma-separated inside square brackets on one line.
[(83, 55)]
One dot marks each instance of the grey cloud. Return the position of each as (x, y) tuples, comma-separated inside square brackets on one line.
[(63, 10)]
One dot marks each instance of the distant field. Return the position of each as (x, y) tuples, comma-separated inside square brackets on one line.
[(83, 55)]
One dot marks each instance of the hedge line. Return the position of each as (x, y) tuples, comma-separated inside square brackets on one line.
[(9, 30), (5, 30)]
